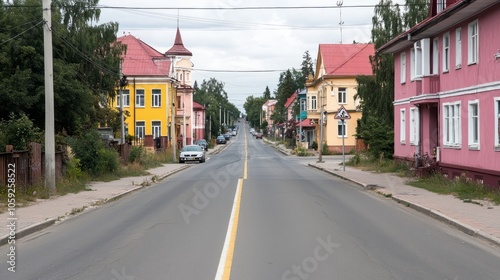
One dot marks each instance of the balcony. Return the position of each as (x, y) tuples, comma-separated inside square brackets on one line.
[(428, 85)]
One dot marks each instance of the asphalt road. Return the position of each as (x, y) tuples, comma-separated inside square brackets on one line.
[(287, 221)]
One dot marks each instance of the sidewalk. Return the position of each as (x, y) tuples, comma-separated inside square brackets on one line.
[(482, 221), (46, 212)]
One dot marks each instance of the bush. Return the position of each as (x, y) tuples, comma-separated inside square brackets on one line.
[(73, 169), (17, 131), (136, 154), (107, 161), (314, 145), (94, 157)]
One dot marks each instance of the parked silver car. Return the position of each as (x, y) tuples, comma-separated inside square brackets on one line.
[(192, 153)]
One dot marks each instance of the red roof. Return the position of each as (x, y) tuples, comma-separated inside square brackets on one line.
[(143, 60), (347, 59), (290, 100), (305, 123), (198, 106), (178, 47)]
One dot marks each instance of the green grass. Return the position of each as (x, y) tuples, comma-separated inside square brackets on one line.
[(382, 165), (462, 187), (77, 181)]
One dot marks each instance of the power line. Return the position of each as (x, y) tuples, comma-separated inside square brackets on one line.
[(10, 39), (239, 8)]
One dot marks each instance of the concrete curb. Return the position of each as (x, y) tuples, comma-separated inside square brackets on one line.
[(286, 153), (28, 230), (427, 211), (40, 226)]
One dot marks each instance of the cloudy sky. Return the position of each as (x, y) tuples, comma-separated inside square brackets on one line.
[(246, 49)]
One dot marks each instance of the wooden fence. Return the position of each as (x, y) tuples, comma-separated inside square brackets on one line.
[(29, 165)]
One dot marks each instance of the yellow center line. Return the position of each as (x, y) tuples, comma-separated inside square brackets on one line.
[(226, 260)]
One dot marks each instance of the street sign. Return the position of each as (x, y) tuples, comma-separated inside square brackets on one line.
[(342, 114)]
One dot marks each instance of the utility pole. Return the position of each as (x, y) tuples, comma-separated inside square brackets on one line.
[(172, 126), (321, 123), (50, 149), (122, 117), (340, 3)]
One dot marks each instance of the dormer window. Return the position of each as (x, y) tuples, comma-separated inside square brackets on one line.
[(441, 5)]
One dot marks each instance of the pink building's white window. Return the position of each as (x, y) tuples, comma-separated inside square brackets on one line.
[(451, 124), (126, 98), (414, 126), (473, 124), (403, 67), (156, 98), (458, 48), (402, 126), (473, 42), (156, 126), (497, 123), (441, 5), (435, 56), (446, 52)]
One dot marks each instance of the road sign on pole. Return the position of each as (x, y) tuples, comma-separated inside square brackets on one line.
[(342, 114)]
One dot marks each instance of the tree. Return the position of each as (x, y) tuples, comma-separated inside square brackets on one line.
[(86, 62), (267, 94), (377, 92), (306, 66), (286, 88), (415, 12)]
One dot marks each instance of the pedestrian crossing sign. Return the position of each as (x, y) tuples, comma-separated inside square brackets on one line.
[(342, 114)]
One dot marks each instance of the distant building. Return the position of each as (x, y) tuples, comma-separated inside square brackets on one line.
[(334, 85)]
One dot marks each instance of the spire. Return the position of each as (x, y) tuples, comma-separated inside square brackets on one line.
[(178, 48)]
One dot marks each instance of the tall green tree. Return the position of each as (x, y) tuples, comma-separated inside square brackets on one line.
[(86, 62), (286, 87), (376, 93), (214, 97), (306, 66), (267, 93)]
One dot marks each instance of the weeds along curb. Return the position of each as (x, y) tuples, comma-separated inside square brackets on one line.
[(40, 226), (28, 230), (424, 210)]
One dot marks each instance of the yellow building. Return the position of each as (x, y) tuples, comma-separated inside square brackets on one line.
[(154, 108), (333, 86)]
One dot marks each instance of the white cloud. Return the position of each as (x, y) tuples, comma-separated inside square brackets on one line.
[(243, 39)]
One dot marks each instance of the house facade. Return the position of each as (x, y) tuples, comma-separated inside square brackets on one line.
[(334, 85), (267, 112), (157, 98), (447, 89)]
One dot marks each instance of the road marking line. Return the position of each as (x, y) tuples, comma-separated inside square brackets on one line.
[(245, 170), (226, 258)]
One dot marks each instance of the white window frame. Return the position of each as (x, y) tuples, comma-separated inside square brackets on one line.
[(446, 52), (126, 98), (156, 129), (497, 122), (303, 105), (140, 129), (441, 5), (452, 131), (339, 126), (474, 125), (140, 98), (156, 98), (416, 62), (342, 95), (458, 48), (402, 126), (414, 126), (473, 43), (314, 103), (402, 58), (435, 56)]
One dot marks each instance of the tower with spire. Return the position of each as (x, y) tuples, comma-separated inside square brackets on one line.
[(181, 58)]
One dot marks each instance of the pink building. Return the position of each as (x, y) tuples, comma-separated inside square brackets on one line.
[(199, 121), (267, 112), (289, 105), (447, 89)]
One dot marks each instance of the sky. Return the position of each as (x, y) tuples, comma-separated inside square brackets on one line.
[(246, 49)]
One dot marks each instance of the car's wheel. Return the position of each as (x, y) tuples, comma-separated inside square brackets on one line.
[(181, 161), (202, 160)]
